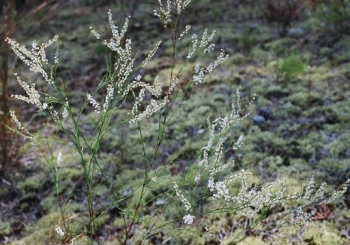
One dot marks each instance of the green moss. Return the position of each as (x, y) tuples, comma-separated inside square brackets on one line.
[(276, 91), (309, 143), (337, 171), (101, 221), (330, 129), (300, 99), (340, 147), (274, 162), (146, 199), (187, 235), (5, 227), (110, 161), (342, 58), (280, 45), (70, 173), (237, 59), (259, 54), (129, 176), (35, 182), (252, 241), (322, 233), (49, 203), (40, 233), (112, 141), (267, 142), (342, 111), (325, 51), (247, 39), (345, 213)]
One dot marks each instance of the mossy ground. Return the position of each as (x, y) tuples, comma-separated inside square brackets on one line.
[(307, 132)]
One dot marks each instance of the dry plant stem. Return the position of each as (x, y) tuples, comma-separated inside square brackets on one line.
[(162, 127), (87, 178), (5, 141), (163, 123), (75, 138)]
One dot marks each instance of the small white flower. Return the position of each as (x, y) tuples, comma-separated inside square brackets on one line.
[(188, 219), (59, 230), (65, 112), (59, 158), (44, 106), (94, 103)]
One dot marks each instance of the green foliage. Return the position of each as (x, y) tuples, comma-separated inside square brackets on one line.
[(247, 39), (290, 67)]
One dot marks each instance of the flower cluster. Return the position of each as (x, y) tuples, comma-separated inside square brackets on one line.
[(94, 103), (164, 14), (206, 46), (205, 43), (59, 231), (188, 218), (123, 68), (249, 201), (220, 130), (65, 112), (33, 96), (36, 58), (184, 33), (151, 54), (125, 63), (202, 71), (15, 119), (38, 63)]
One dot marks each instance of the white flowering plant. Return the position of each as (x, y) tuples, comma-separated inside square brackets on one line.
[(125, 85)]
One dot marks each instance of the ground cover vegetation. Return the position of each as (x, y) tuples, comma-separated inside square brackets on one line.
[(204, 122)]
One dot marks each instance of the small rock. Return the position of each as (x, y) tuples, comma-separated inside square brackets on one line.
[(200, 131), (258, 120), (264, 112), (303, 120), (127, 192), (160, 202), (253, 26), (297, 32)]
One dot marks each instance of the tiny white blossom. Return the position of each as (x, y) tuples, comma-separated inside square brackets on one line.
[(36, 58), (188, 219), (109, 97), (93, 32), (59, 231), (94, 103), (33, 96), (65, 112), (183, 199), (15, 119), (151, 54), (193, 49), (59, 158), (187, 28)]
